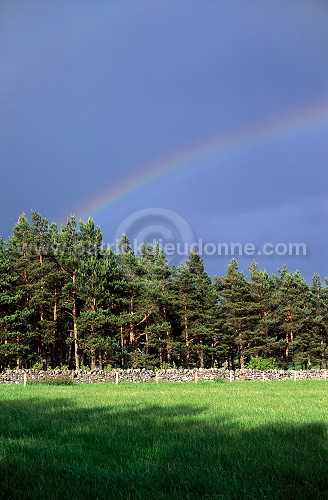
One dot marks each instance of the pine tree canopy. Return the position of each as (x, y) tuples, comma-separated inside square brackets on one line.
[(66, 301)]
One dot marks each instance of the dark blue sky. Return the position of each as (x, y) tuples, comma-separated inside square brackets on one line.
[(93, 92)]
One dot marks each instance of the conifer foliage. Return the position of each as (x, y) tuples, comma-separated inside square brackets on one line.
[(66, 301)]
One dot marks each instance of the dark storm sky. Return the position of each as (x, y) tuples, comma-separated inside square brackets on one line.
[(93, 93)]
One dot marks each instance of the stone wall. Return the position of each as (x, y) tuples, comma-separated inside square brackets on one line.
[(142, 375)]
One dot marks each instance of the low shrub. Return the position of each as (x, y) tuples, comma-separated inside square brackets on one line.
[(59, 380), (257, 363)]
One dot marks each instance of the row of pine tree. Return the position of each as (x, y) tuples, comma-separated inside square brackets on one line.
[(67, 302)]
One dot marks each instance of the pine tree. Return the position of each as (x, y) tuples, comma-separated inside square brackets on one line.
[(66, 245), (317, 334), (98, 279), (196, 300), (240, 313), (264, 341), (20, 251), (30, 250), (13, 315), (291, 314), (130, 290), (41, 303), (154, 302)]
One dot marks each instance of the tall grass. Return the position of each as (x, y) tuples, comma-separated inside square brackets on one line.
[(244, 440)]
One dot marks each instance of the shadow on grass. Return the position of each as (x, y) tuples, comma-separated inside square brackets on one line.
[(55, 450)]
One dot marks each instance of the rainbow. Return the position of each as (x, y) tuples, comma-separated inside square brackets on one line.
[(300, 121)]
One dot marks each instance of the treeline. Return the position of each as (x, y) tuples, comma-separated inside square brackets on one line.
[(66, 301)]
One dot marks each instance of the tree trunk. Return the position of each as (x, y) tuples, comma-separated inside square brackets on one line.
[(55, 313), (122, 347), (93, 361), (132, 327), (309, 364), (241, 351), (232, 361), (168, 348), (75, 328), (201, 354), (186, 330)]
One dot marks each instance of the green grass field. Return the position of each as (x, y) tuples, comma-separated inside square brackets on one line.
[(211, 440)]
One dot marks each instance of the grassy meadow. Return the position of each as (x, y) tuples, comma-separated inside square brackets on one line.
[(211, 440)]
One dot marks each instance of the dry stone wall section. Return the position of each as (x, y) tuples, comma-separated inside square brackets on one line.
[(143, 375)]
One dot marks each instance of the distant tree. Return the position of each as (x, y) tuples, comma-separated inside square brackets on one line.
[(98, 278), (196, 301), (316, 336), (264, 341), (130, 314), (67, 259), (31, 256), (240, 311), (21, 254), (13, 315), (292, 314), (155, 303)]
